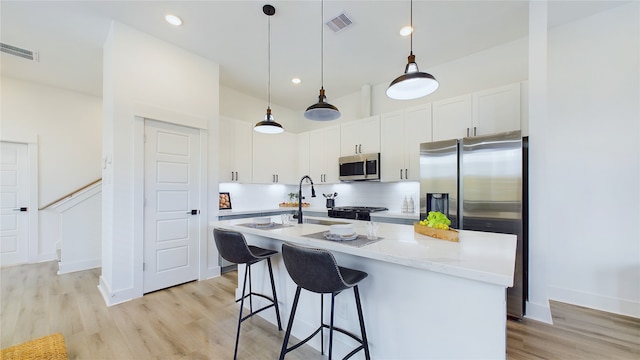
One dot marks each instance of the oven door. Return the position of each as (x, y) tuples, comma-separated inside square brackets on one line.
[(360, 167)]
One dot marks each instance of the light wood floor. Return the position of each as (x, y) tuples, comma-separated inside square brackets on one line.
[(197, 321)]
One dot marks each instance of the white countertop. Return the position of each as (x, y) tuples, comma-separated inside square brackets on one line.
[(479, 256)]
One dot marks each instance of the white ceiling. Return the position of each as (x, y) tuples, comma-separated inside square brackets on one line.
[(68, 35)]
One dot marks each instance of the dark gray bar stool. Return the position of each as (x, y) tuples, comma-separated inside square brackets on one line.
[(233, 247), (316, 270)]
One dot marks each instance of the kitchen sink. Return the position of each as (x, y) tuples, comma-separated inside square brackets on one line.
[(324, 222)]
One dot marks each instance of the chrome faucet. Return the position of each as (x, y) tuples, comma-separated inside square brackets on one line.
[(313, 194)]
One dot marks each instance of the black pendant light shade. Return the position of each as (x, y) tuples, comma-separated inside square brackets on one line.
[(269, 125), (322, 111), (413, 83)]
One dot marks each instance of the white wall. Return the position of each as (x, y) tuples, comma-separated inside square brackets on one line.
[(591, 187), (148, 78), (67, 126), (245, 197)]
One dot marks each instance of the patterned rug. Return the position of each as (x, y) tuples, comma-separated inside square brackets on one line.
[(50, 347)]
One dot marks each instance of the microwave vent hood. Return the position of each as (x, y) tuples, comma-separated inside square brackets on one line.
[(360, 167)]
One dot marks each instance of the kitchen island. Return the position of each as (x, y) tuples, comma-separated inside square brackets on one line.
[(424, 298)]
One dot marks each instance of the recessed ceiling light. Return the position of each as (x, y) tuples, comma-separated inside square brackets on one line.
[(406, 31), (173, 20), (296, 81)]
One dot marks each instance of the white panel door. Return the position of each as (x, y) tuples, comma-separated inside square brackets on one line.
[(14, 197), (172, 186)]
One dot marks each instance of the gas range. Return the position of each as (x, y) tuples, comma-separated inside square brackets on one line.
[(354, 212)]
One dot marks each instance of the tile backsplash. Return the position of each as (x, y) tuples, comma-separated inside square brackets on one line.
[(246, 197)]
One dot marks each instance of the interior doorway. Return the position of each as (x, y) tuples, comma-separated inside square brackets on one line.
[(171, 204)]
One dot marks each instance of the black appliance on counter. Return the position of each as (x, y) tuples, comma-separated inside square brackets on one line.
[(354, 212)]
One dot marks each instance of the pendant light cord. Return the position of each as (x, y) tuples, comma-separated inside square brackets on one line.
[(269, 64), (322, 44), (411, 24)]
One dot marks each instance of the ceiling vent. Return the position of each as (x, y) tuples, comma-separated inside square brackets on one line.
[(339, 22), (16, 51)]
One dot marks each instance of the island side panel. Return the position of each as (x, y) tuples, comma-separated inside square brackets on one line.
[(409, 313)]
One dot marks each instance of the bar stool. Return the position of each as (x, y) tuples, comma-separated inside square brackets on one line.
[(316, 270), (233, 247)]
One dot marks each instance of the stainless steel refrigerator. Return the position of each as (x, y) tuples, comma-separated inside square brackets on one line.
[(480, 183)]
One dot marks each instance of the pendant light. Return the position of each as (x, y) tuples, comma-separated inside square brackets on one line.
[(269, 125), (322, 111), (412, 84)]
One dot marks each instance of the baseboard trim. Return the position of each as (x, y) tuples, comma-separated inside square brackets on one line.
[(114, 298), (595, 301), (69, 267), (539, 312)]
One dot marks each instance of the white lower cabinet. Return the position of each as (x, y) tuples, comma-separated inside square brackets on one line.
[(275, 159), (235, 150), (401, 134)]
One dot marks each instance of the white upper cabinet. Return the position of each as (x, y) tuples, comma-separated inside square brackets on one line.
[(401, 134), (275, 158), (235, 150), (360, 136), (303, 154), (496, 110), (452, 118), (484, 112), (324, 151)]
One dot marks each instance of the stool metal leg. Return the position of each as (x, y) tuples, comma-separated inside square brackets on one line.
[(285, 342), (250, 290), (275, 297), (322, 324), (244, 287), (333, 301), (365, 342)]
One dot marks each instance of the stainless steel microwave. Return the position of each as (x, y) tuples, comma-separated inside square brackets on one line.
[(360, 167)]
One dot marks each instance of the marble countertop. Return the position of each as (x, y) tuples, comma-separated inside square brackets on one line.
[(479, 256)]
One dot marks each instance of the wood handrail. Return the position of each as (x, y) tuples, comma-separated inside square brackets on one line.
[(70, 194)]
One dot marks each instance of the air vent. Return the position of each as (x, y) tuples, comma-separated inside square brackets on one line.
[(339, 22), (16, 51)]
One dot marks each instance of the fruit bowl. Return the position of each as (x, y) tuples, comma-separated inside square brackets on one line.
[(449, 235)]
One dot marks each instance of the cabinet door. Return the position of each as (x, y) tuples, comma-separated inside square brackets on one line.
[(304, 154), (324, 151), (264, 155), (496, 110), (452, 118), (242, 134), (370, 135), (234, 147), (226, 150), (286, 160), (417, 130), (360, 136), (392, 149)]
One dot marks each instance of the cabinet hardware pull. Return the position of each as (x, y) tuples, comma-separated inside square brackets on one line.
[(475, 132), (237, 176), (232, 176), (467, 132), (400, 174), (360, 148), (277, 178), (356, 149), (406, 174)]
